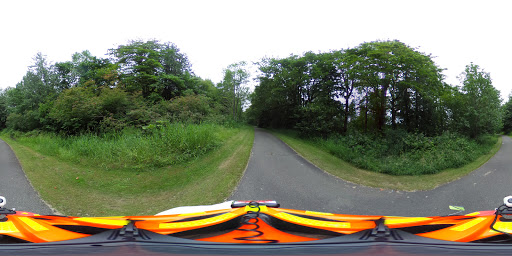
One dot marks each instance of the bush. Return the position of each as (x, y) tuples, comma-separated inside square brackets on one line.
[(114, 101), (187, 109), (111, 124), (23, 122), (402, 153), (193, 109), (76, 110), (141, 115)]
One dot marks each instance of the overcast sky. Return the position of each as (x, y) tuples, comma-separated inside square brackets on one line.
[(217, 33)]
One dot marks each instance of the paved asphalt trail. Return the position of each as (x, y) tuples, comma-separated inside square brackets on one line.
[(15, 187), (276, 172)]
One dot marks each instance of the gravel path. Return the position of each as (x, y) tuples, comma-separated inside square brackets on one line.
[(276, 172)]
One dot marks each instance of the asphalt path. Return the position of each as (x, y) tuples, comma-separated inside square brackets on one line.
[(15, 187), (276, 172)]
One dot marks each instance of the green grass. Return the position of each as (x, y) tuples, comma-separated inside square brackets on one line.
[(326, 161), (70, 175), (131, 149)]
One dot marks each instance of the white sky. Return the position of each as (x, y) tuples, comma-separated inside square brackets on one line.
[(217, 33)]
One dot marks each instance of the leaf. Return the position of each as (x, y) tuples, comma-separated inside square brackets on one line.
[(457, 208)]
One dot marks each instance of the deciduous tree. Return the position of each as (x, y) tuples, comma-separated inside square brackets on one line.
[(233, 84), (481, 113)]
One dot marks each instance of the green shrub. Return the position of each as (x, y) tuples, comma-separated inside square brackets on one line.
[(188, 109), (23, 122), (76, 110), (402, 153), (114, 101), (111, 124)]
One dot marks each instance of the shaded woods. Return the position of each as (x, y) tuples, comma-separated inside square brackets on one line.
[(142, 83), (374, 87), (382, 106)]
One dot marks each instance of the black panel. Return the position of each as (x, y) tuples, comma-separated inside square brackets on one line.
[(314, 217), (82, 229), (502, 239), (210, 231), (5, 239), (197, 218), (296, 229), (424, 228)]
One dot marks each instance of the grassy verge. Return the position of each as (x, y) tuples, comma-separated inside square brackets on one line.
[(80, 188), (131, 149), (337, 167)]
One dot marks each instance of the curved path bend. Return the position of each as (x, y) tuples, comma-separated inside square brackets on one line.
[(15, 187), (276, 172)]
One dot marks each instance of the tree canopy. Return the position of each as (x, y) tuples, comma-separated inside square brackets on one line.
[(158, 70), (142, 82), (373, 87)]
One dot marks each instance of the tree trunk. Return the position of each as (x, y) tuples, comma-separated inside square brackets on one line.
[(406, 112), (393, 116), (347, 107), (382, 108), (234, 102), (416, 112), (345, 122), (366, 115)]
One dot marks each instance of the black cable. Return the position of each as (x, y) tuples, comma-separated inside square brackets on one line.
[(498, 212), (252, 218)]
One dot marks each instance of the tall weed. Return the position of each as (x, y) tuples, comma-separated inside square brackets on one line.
[(162, 145)]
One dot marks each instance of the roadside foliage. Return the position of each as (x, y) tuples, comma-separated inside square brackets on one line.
[(379, 102), (382, 106), (141, 83)]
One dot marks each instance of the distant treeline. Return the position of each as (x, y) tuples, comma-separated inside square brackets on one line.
[(141, 83), (372, 88)]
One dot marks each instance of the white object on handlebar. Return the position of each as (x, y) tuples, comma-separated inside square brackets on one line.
[(508, 201), (199, 208), (2, 201)]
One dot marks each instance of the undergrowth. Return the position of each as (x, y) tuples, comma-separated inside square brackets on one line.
[(402, 153), (156, 146)]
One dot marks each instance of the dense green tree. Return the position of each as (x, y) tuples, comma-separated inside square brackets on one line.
[(398, 85), (320, 111), (507, 115), (139, 66), (234, 87), (155, 69), (3, 109), (278, 97), (481, 111), (345, 79), (135, 87), (86, 70), (376, 85), (37, 87)]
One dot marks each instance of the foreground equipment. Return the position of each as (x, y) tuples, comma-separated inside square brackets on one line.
[(260, 225)]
